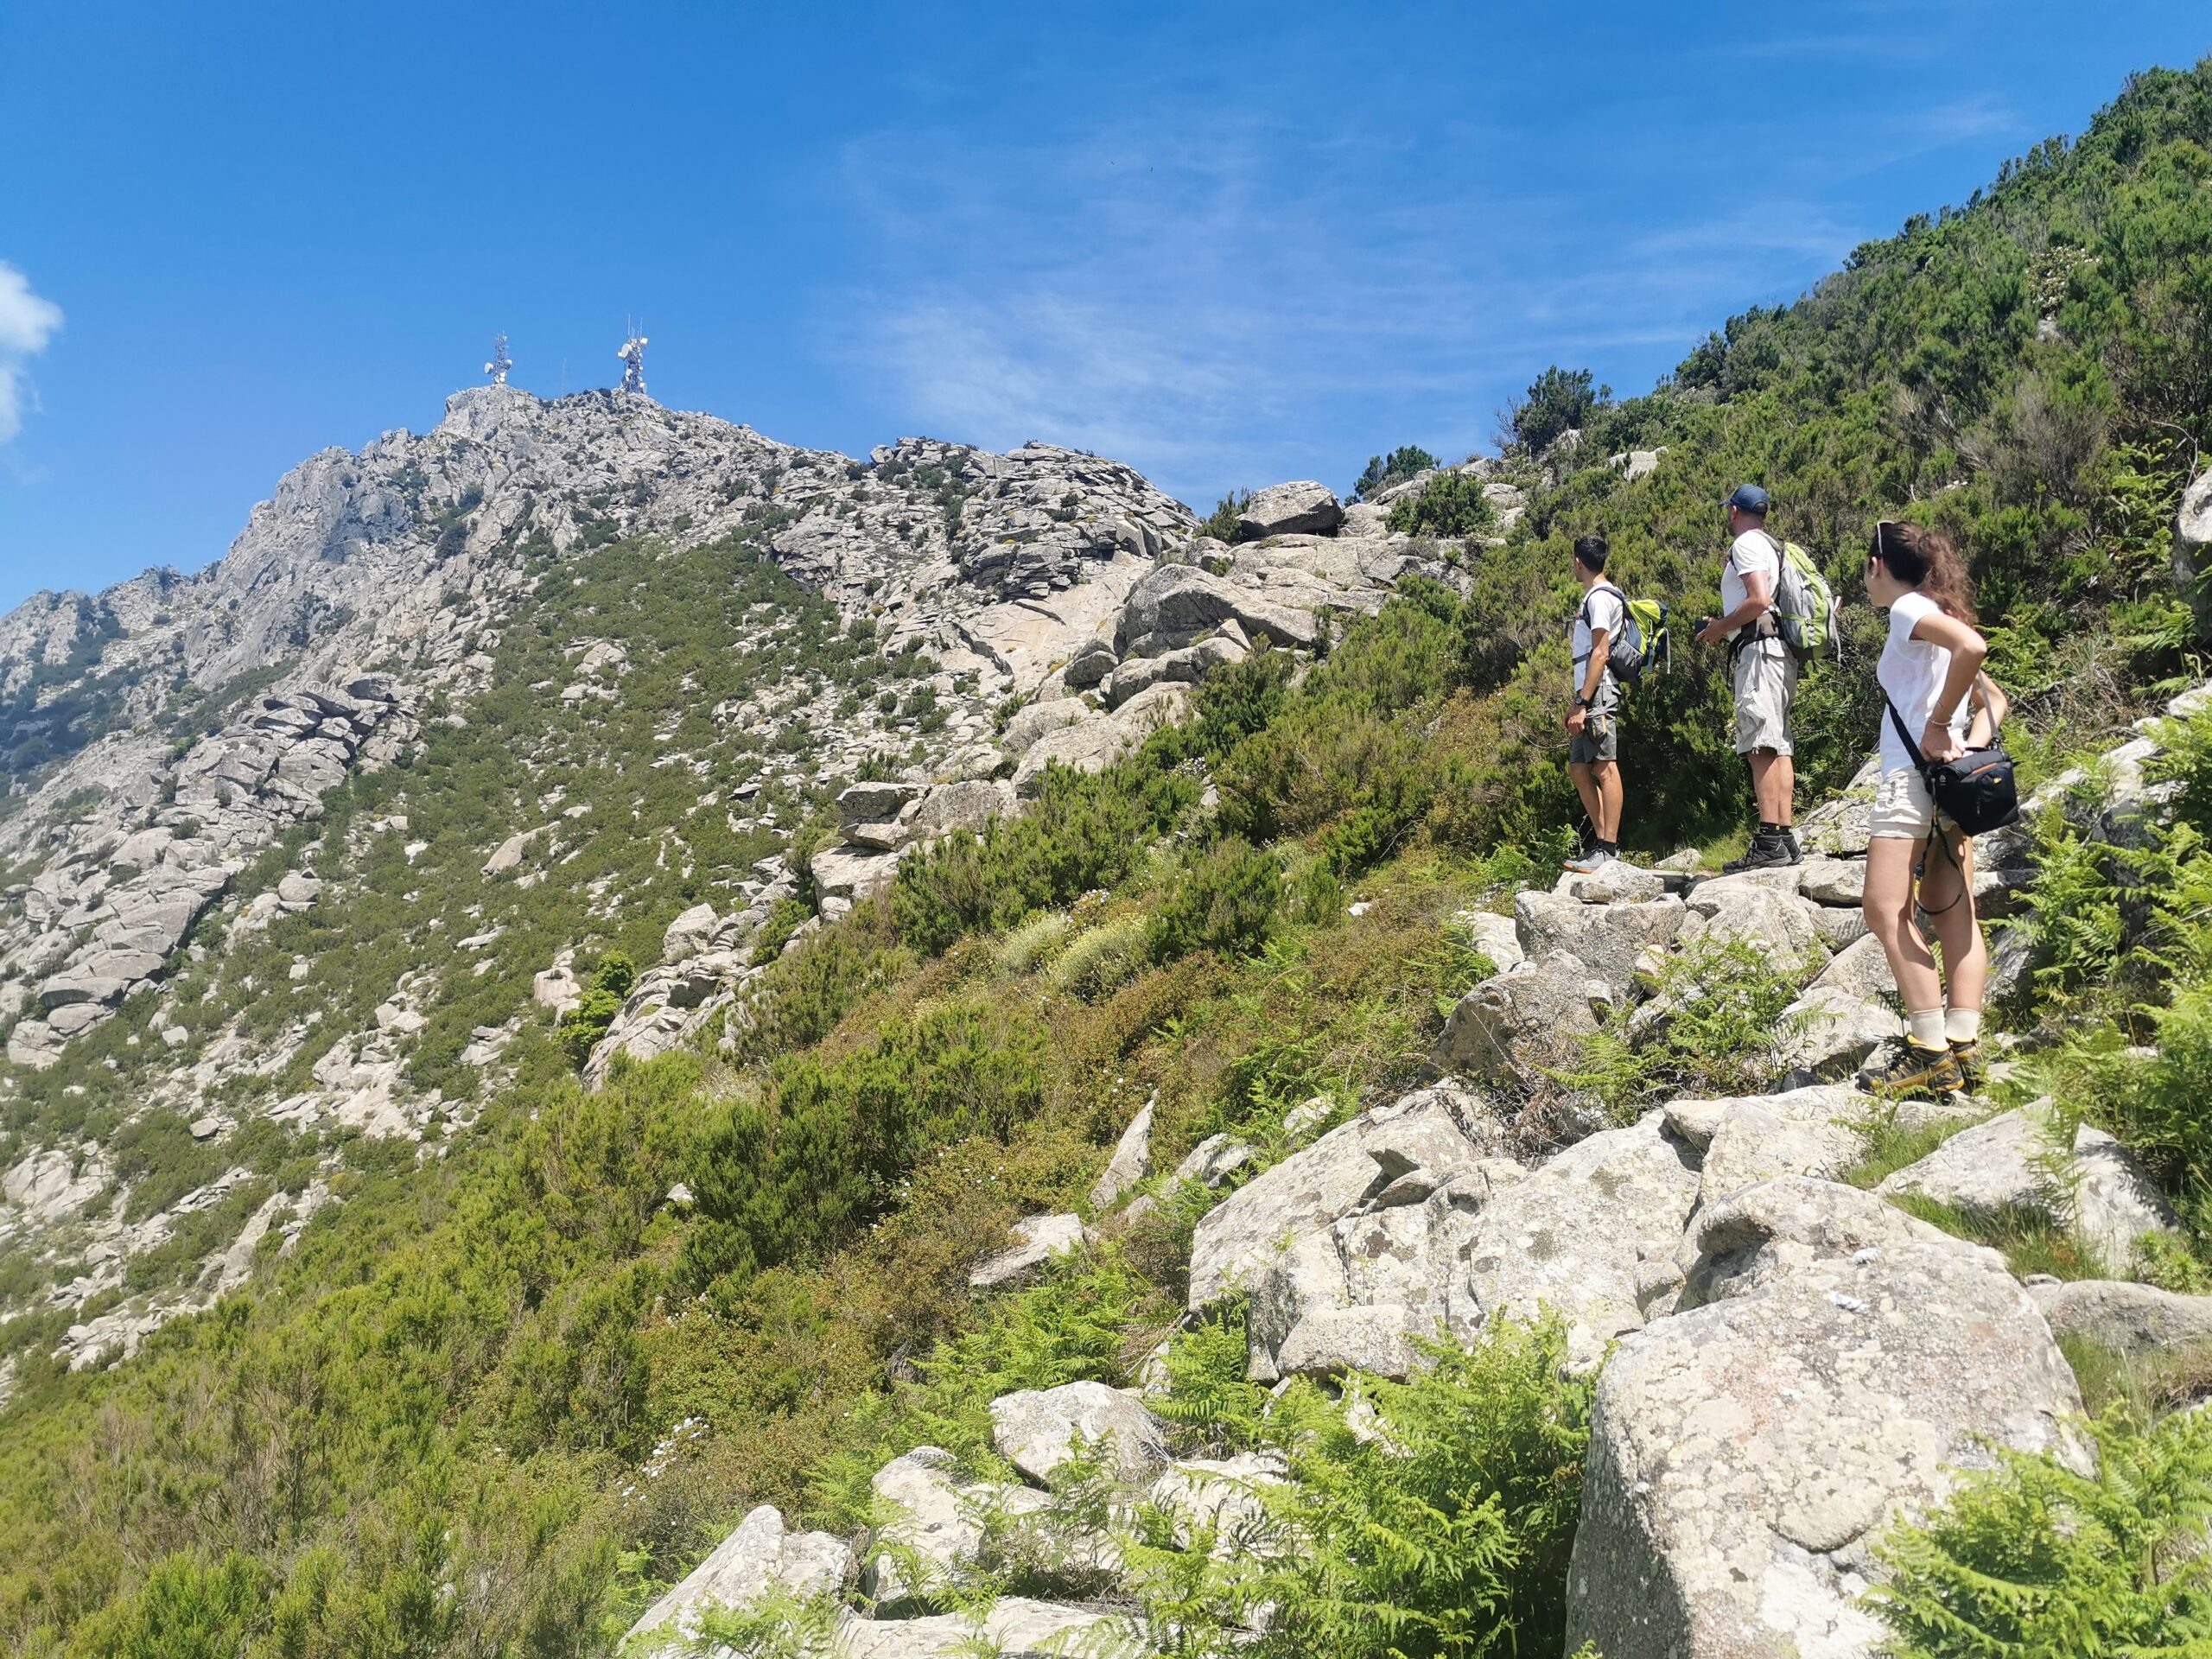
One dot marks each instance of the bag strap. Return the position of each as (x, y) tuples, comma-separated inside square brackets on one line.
[(1919, 760), (1582, 611)]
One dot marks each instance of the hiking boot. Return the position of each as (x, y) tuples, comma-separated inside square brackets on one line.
[(1916, 1073), (1766, 852), (1591, 863), (1796, 853), (1968, 1057)]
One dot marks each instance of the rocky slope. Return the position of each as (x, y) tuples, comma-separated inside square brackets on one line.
[(1787, 1363), (175, 735)]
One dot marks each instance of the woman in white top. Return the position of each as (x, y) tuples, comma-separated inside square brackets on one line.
[(1930, 673)]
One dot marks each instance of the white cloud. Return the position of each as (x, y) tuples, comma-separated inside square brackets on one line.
[(27, 323), (1224, 299)]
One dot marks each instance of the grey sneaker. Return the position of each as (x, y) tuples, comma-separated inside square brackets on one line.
[(1591, 863)]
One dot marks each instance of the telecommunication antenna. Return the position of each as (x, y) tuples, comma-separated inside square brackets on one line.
[(633, 362), (500, 363)]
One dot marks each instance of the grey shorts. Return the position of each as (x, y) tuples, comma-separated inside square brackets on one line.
[(1600, 738), (1765, 678)]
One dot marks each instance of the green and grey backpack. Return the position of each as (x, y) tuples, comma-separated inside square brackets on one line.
[(1805, 616), (1643, 638)]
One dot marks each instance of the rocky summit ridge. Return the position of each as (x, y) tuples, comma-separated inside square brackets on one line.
[(171, 734), (172, 726)]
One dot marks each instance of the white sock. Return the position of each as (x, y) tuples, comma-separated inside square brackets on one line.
[(1963, 1024), (1925, 1027)]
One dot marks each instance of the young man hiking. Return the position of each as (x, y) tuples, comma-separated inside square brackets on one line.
[(1593, 725), (1763, 673)]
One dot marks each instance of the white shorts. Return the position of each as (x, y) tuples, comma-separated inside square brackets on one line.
[(1764, 675), (1903, 811)]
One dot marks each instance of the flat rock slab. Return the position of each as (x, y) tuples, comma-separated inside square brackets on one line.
[(1220, 1496), (1213, 1161), (1359, 1295), (1037, 1240), (1608, 940), (2137, 1321), (1838, 1364), (1038, 1430), (1495, 936), (1860, 970), (1435, 1129), (1806, 1132), (1619, 883), (2011, 1165), (1828, 1033), (1131, 1162), (968, 805), (758, 1558), (1515, 1026), (1013, 1628), (1577, 1234), (1769, 917), (932, 1521), (1840, 881), (1304, 508)]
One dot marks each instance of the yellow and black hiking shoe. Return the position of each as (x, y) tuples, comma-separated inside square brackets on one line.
[(1916, 1073), (1968, 1057)]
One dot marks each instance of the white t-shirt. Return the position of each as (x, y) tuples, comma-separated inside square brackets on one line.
[(1754, 551), (1601, 609), (1911, 674)]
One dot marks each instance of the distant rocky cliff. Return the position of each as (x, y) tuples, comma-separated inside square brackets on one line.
[(170, 732)]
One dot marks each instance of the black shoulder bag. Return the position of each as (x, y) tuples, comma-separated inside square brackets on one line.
[(1975, 791)]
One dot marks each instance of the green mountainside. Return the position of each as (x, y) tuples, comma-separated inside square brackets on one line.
[(492, 1386)]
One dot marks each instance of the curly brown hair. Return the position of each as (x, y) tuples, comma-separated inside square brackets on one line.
[(1925, 558)]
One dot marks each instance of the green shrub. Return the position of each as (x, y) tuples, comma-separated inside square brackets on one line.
[(186, 1609), (1558, 400), (1224, 523), (1383, 471), (2033, 1561), (779, 1179), (1451, 504), (801, 998), (583, 1026), (776, 1625), (1082, 832), (1073, 1327), (1100, 961), (1035, 943), (1227, 902)]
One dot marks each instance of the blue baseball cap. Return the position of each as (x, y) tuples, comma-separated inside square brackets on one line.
[(1749, 497)]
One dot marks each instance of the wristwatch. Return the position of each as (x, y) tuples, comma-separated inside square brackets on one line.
[(1580, 702)]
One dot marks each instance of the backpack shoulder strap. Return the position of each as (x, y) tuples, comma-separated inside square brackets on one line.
[(1582, 611)]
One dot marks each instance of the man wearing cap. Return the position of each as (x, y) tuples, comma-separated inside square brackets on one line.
[(1763, 673)]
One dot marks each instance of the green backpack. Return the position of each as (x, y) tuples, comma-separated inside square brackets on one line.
[(1805, 616), (1643, 637)]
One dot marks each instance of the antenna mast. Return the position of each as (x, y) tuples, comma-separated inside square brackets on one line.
[(500, 363), (633, 362)]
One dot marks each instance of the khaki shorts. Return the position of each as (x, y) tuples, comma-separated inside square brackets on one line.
[(1765, 678), (1600, 738), (1903, 811)]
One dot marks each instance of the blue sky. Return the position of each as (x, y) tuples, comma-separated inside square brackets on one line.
[(1229, 244)]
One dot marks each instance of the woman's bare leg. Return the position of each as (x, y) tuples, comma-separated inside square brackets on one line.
[(1947, 895), (1888, 907)]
